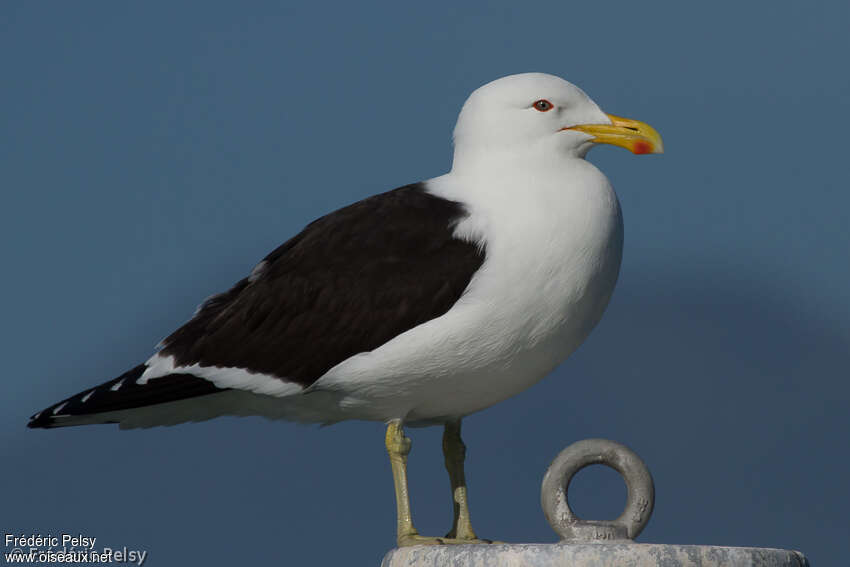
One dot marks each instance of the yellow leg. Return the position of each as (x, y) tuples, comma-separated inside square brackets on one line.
[(398, 447), (455, 453)]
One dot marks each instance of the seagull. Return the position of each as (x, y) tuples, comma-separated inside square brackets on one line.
[(418, 306)]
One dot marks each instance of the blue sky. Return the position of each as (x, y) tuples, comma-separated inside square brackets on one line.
[(151, 153)]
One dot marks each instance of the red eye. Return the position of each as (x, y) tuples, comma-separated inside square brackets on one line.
[(543, 105)]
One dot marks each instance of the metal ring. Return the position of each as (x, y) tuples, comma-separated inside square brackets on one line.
[(639, 502)]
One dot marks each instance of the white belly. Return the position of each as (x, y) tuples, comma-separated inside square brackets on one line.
[(552, 259)]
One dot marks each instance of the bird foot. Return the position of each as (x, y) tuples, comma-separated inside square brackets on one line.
[(416, 539)]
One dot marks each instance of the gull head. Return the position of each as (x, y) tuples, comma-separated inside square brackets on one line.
[(542, 115)]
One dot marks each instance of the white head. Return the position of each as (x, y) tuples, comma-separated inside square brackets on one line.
[(543, 114)]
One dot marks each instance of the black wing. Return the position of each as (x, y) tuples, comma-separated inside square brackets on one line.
[(348, 283), (120, 394)]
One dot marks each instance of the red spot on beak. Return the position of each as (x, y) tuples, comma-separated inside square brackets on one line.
[(641, 147)]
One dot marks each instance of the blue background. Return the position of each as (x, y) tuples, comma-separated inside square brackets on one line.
[(153, 152)]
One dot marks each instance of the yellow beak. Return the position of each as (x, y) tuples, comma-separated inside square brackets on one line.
[(637, 137)]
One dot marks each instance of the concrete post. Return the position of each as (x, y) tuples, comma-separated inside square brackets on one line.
[(589, 543)]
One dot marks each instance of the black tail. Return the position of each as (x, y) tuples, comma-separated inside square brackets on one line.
[(122, 393)]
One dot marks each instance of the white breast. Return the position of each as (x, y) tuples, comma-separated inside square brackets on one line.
[(553, 248)]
